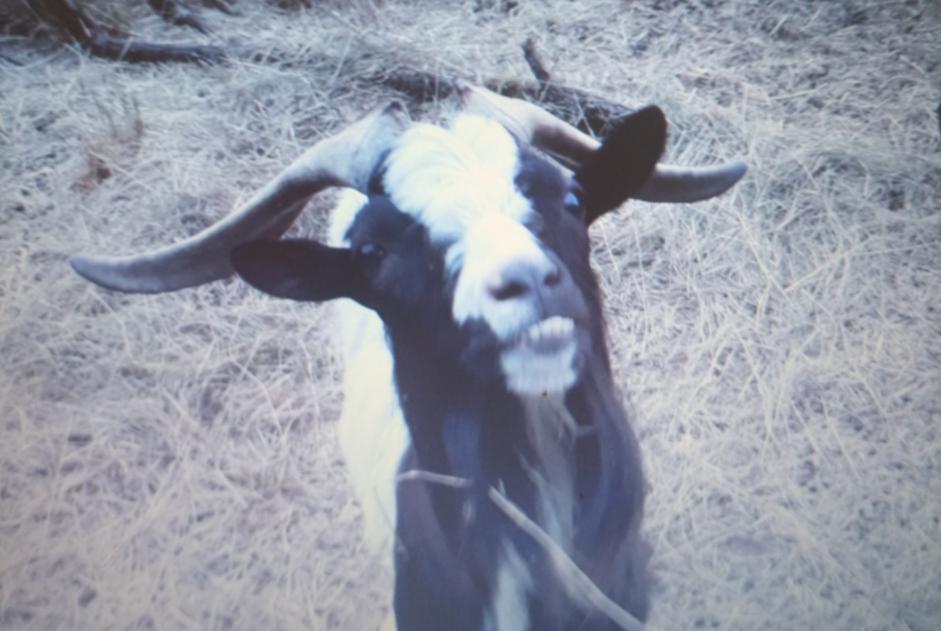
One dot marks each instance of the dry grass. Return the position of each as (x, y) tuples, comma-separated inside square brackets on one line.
[(170, 461)]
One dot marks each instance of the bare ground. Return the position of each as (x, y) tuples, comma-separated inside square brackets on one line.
[(170, 461)]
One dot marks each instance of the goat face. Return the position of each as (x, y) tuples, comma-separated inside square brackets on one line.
[(475, 248)]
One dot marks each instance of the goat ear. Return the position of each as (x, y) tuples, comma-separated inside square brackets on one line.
[(298, 269), (624, 161)]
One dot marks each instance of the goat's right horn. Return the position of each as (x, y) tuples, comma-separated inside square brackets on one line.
[(346, 159)]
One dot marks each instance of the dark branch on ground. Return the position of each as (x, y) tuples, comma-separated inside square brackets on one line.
[(178, 15), (67, 17), (126, 49), (220, 5), (535, 62), (590, 113)]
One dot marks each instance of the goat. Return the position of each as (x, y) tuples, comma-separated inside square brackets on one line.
[(468, 251)]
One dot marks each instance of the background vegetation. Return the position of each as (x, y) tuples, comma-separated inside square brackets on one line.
[(170, 462)]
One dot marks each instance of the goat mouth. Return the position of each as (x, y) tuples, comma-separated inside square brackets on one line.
[(542, 358), (547, 337)]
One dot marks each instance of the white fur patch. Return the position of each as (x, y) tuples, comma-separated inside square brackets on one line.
[(344, 213), (449, 178), (532, 373), (508, 606), (490, 244), (372, 431)]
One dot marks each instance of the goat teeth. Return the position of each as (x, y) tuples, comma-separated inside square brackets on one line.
[(548, 334)]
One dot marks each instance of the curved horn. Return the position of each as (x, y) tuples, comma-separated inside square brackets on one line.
[(570, 147), (345, 159), (682, 185)]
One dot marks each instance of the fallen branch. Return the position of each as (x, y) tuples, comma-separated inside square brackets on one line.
[(590, 113), (178, 15), (221, 5), (535, 62), (419, 86), (67, 17), (128, 50)]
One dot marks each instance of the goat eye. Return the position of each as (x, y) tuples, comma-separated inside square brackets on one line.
[(370, 252), (573, 204)]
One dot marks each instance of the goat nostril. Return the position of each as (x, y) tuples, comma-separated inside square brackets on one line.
[(554, 277), (519, 279), (506, 290)]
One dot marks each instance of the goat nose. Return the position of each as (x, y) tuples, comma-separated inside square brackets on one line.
[(520, 278)]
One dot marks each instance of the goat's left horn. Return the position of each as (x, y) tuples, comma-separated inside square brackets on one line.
[(346, 159), (571, 147)]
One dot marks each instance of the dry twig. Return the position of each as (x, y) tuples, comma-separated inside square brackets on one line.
[(434, 478), (535, 62), (576, 583)]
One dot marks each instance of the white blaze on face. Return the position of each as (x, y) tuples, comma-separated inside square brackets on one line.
[(460, 183), (493, 243), (446, 178)]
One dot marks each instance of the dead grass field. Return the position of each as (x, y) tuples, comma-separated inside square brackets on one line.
[(170, 462)]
